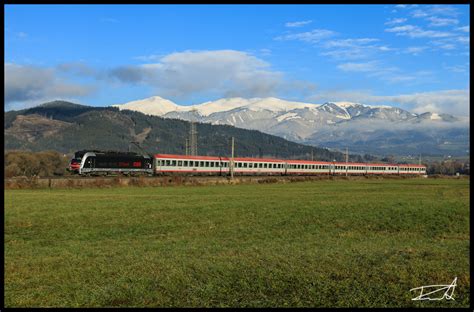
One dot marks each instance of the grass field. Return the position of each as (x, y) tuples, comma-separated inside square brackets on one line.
[(342, 243)]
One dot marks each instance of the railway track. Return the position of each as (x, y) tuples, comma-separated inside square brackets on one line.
[(156, 181)]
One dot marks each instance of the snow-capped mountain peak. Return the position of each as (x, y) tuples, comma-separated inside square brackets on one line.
[(154, 105)]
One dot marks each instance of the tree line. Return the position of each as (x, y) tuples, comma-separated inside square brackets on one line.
[(35, 164)]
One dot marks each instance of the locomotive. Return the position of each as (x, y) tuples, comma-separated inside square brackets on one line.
[(107, 162)]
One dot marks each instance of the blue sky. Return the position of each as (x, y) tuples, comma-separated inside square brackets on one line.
[(415, 57)]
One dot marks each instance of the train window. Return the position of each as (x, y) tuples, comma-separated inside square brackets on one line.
[(185, 163), (200, 164), (212, 164), (173, 163), (180, 163), (245, 165), (207, 164)]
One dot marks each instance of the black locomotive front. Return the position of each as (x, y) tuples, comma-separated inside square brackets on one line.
[(109, 162)]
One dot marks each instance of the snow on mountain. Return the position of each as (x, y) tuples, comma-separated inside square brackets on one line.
[(155, 105), (435, 116), (298, 121), (158, 106)]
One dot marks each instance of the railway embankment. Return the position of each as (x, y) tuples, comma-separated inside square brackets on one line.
[(162, 181)]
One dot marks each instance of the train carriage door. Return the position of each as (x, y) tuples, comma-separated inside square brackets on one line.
[(156, 165), (220, 166)]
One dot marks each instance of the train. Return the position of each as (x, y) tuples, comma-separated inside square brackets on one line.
[(96, 162)]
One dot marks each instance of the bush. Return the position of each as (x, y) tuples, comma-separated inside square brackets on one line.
[(39, 164)]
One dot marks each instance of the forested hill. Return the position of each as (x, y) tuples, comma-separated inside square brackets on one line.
[(68, 127)]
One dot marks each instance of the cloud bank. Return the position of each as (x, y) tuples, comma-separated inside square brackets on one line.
[(220, 72), (29, 85)]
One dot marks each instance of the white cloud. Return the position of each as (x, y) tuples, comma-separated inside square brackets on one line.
[(298, 24), (463, 28), (312, 36), (463, 39), (359, 67), (265, 52), (417, 32), (207, 73), (351, 49), (396, 21), (415, 50), (437, 21), (33, 84), (348, 43), (457, 68), (454, 102), (435, 10)]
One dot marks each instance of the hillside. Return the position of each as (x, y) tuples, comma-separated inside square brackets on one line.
[(67, 127)]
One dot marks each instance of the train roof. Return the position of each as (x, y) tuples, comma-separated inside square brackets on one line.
[(189, 157), (109, 153), (217, 158), (290, 161), (299, 161)]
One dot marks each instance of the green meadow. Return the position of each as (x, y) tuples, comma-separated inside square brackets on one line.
[(333, 243)]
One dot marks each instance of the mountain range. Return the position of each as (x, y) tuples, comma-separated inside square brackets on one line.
[(381, 130), (68, 127)]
